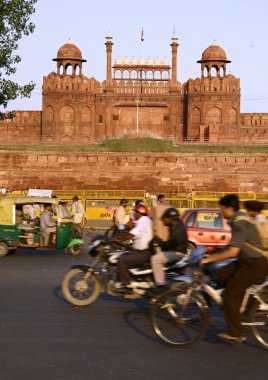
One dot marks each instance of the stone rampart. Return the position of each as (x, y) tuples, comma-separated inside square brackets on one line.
[(154, 171)]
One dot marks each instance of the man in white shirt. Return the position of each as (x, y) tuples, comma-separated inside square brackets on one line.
[(120, 217), (79, 215), (141, 234)]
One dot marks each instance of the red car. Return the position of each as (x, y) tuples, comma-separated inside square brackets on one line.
[(206, 226)]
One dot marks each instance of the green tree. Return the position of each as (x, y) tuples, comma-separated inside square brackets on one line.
[(14, 24)]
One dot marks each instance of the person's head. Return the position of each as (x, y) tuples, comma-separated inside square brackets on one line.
[(140, 210), (253, 207), (75, 198), (124, 202), (161, 198), (48, 207), (139, 202), (229, 204), (170, 216)]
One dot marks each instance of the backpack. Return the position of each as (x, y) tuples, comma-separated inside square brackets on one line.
[(262, 229)]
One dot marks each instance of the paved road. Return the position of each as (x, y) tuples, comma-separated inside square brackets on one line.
[(44, 338)]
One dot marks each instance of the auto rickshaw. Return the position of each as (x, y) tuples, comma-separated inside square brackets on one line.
[(20, 225)]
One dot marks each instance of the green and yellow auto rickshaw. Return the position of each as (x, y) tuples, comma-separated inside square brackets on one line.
[(20, 225)]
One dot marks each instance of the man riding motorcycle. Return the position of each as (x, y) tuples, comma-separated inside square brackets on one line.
[(141, 235)]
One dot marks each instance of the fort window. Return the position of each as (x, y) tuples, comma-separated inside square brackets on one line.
[(115, 117), (100, 119), (181, 119), (166, 117)]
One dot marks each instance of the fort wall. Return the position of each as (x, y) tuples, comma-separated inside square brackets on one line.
[(153, 171)]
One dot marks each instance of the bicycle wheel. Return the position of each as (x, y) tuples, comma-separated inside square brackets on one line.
[(179, 319), (259, 327)]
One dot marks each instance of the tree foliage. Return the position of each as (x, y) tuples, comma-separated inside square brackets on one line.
[(14, 24)]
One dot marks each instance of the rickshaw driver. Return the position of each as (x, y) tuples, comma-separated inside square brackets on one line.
[(48, 225)]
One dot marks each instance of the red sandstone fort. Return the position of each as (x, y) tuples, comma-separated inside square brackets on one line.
[(139, 97)]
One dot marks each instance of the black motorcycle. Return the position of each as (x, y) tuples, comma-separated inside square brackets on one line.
[(83, 283)]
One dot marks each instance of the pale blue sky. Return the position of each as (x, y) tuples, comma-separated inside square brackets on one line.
[(240, 27)]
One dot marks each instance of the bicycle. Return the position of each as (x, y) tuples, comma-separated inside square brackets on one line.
[(180, 316)]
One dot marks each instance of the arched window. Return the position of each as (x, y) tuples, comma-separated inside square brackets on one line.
[(61, 70), (86, 114), (222, 71), (196, 116), (149, 75), (206, 71), (165, 75), (214, 71), (133, 74), (157, 74), (67, 114), (125, 74), (68, 69), (117, 74), (49, 114), (232, 116), (214, 116)]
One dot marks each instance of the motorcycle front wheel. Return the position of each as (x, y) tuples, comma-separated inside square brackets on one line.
[(80, 288)]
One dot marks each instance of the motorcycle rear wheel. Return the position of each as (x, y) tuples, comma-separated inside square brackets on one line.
[(179, 322), (80, 288)]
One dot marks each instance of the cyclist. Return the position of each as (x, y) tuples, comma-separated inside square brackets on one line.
[(249, 268)]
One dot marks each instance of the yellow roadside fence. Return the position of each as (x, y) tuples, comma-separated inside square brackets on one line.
[(100, 205)]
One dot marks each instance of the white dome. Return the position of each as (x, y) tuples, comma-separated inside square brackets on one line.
[(118, 61), (150, 62), (134, 61), (126, 61), (142, 61), (165, 62), (157, 62)]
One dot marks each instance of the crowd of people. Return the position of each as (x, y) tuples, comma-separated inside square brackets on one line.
[(247, 247)]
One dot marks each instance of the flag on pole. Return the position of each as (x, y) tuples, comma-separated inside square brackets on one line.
[(142, 35)]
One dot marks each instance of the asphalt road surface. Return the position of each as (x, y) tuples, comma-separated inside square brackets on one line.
[(42, 337)]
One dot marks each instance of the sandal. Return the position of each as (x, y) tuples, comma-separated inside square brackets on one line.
[(235, 339)]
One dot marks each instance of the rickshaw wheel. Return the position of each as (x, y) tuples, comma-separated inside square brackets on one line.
[(75, 249), (3, 249)]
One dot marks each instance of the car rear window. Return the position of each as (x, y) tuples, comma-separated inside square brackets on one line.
[(211, 220)]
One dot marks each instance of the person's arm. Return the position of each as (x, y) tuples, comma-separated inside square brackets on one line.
[(120, 239), (229, 253)]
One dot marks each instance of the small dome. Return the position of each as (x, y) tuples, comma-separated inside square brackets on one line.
[(142, 61), (149, 62), (134, 61), (165, 62), (126, 61), (69, 51), (214, 53), (157, 62), (118, 61)]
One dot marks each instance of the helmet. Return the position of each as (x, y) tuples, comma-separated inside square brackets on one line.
[(139, 202), (171, 213), (141, 209)]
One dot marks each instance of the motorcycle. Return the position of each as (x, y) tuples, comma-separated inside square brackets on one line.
[(83, 283)]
